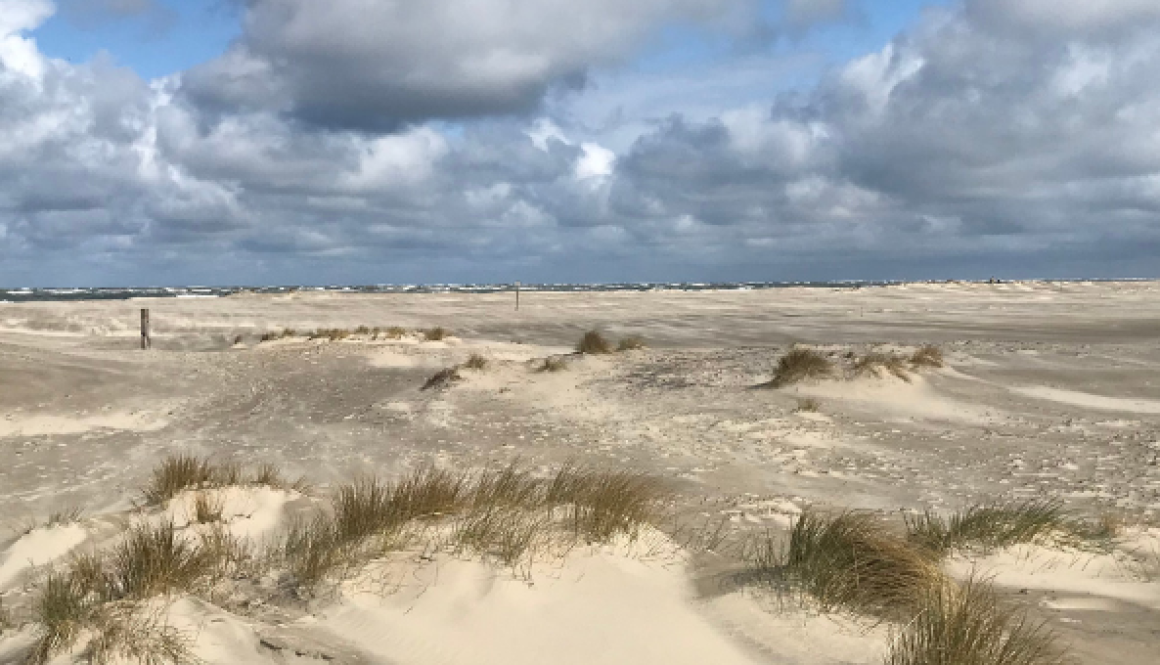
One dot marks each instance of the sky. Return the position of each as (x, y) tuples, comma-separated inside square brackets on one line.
[(170, 142)]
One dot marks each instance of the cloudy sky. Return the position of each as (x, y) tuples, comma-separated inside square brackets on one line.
[(158, 142)]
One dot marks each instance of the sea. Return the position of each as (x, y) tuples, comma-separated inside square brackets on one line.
[(126, 293)]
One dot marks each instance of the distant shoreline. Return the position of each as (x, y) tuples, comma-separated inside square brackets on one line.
[(21, 295)]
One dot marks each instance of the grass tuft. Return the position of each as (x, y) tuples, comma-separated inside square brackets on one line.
[(852, 562), (991, 526), (395, 332), (799, 365), (442, 379), (207, 508), (876, 364), (594, 343), (436, 334), (476, 362), (176, 474), (927, 356), (630, 343), (155, 560), (968, 625)]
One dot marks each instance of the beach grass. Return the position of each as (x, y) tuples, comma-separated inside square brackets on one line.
[(799, 365)]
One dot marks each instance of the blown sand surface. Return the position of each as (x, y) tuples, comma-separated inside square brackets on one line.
[(1051, 390)]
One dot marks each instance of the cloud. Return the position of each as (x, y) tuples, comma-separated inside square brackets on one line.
[(804, 13), (376, 66), (961, 148)]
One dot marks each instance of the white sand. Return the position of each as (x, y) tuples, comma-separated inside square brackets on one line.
[(38, 547)]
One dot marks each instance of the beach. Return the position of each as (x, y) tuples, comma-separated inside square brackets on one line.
[(1047, 391)]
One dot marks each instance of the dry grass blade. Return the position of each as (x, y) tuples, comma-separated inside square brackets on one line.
[(594, 343), (510, 486), (851, 561), (604, 503), (429, 492), (207, 508), (990, 526), (176, 474), (129, 633), (877, 364), (62, 610), (968, 625), (799, 365), (927, 356), (443, 379), (631, 343), (155, 560), (476, 362), (509, 534)]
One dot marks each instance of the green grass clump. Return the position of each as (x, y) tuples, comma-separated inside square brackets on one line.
[(594, 343), (436, 334), (990, 526), (927, 356), (630, 343), (799, 365), (968, 625)]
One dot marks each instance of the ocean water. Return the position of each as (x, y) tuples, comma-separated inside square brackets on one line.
[(126, 293)]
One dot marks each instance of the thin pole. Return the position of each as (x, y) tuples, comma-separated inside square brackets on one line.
[(146, 341), (517, 296)]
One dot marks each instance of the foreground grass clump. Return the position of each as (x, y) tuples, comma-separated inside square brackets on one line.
[(877, 364), (927, 356), (968, 625), (799, 365), (505, 513), (102, 595), (992, 526), (852, 561), (594, 343)]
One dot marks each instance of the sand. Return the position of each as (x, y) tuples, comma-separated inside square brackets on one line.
[(1050, 391)]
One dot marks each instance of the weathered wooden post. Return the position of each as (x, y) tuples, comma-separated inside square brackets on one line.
[(146, 341), (517, 296)]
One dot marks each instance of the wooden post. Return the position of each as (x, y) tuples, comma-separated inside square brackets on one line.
[(146, 341), (517, 296)]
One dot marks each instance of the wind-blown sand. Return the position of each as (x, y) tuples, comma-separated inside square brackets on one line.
[(1051, 390)]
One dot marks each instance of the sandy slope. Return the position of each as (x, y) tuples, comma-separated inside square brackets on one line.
[(1050, 391)]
